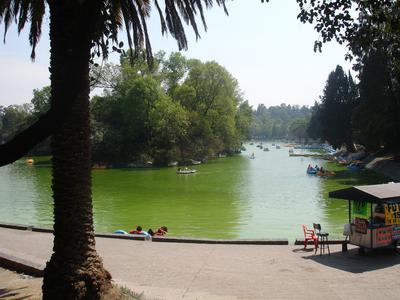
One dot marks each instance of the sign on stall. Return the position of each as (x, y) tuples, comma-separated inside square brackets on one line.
[(360, 208), (396, 232), (384, 236), (392, 213), (361, 225)]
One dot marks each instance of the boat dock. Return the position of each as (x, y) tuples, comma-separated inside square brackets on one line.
[(313, 155)]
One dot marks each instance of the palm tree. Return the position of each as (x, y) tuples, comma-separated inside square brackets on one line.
[(79, 30)]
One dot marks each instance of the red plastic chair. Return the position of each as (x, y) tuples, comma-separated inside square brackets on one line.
[(309, 235)]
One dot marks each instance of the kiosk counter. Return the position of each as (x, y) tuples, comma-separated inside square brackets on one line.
[(374, 214)]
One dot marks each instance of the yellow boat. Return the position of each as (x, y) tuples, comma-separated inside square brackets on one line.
[(29, 161)]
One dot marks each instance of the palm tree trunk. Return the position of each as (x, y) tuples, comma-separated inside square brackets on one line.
[(75, 271)]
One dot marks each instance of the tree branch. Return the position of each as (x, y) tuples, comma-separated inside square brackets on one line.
[(24, 141)]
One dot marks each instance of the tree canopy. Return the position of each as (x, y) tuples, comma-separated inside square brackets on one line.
[(181, 109), (278, 122)]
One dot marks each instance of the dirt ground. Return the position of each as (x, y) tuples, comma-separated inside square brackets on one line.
[(19, 286)]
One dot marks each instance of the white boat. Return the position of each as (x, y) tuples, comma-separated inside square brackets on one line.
[(172, 164), (195, 162), (185, 171)]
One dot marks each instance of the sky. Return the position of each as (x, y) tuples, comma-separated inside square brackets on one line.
[(262, 45)]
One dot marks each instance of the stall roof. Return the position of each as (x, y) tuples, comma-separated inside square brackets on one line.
[(378, 193)]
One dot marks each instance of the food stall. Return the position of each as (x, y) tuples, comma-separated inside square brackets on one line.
[(374, 214)]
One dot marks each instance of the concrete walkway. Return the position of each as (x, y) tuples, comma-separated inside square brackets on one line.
[(201, 271)]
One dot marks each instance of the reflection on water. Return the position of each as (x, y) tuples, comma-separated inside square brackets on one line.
[(201, 204), (25, 194), (266, 197)]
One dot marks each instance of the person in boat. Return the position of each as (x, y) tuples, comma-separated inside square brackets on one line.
[(309, 168), (163, 230), (317, 168), (140, 231)]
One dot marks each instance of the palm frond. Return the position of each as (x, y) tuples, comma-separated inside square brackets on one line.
[(111, 15), (37, 11), (162, 20), (22, 11), (176, 12)]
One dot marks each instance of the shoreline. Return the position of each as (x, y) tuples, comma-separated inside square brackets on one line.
[(174, 239)]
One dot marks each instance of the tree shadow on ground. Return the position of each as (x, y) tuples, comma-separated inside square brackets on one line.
[(13, 293), (353, 262), (362, 177)]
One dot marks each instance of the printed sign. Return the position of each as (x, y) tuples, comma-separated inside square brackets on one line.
[(384, 236), (360, 208), (396, 232), (361, 225), (392, 213)]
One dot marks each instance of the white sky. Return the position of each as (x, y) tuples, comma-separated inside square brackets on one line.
[(263, 46)]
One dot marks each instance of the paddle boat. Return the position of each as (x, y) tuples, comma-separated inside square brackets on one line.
[(185, 171), (29, 161), (311, 171)]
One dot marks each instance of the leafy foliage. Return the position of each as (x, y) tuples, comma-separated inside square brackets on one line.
[(178, 110), (277, 122), (371, 31), (13, 119)]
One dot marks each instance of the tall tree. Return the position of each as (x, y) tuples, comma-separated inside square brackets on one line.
[(375, 120), (211, 96), (335, 113), (314, 126), (369, 29), (80, 29)]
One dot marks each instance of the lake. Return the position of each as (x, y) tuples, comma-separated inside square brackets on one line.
[(270, 196)]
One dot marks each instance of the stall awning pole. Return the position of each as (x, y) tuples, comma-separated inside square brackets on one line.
[(372, 237), (349, 211)]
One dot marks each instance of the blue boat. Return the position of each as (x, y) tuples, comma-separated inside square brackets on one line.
[(311, 171)]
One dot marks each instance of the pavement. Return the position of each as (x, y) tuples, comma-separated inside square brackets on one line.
[(216, 271)]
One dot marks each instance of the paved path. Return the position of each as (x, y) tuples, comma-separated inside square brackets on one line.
[(196, 271)]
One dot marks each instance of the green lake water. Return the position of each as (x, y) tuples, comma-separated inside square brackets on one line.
[(270, 196)]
